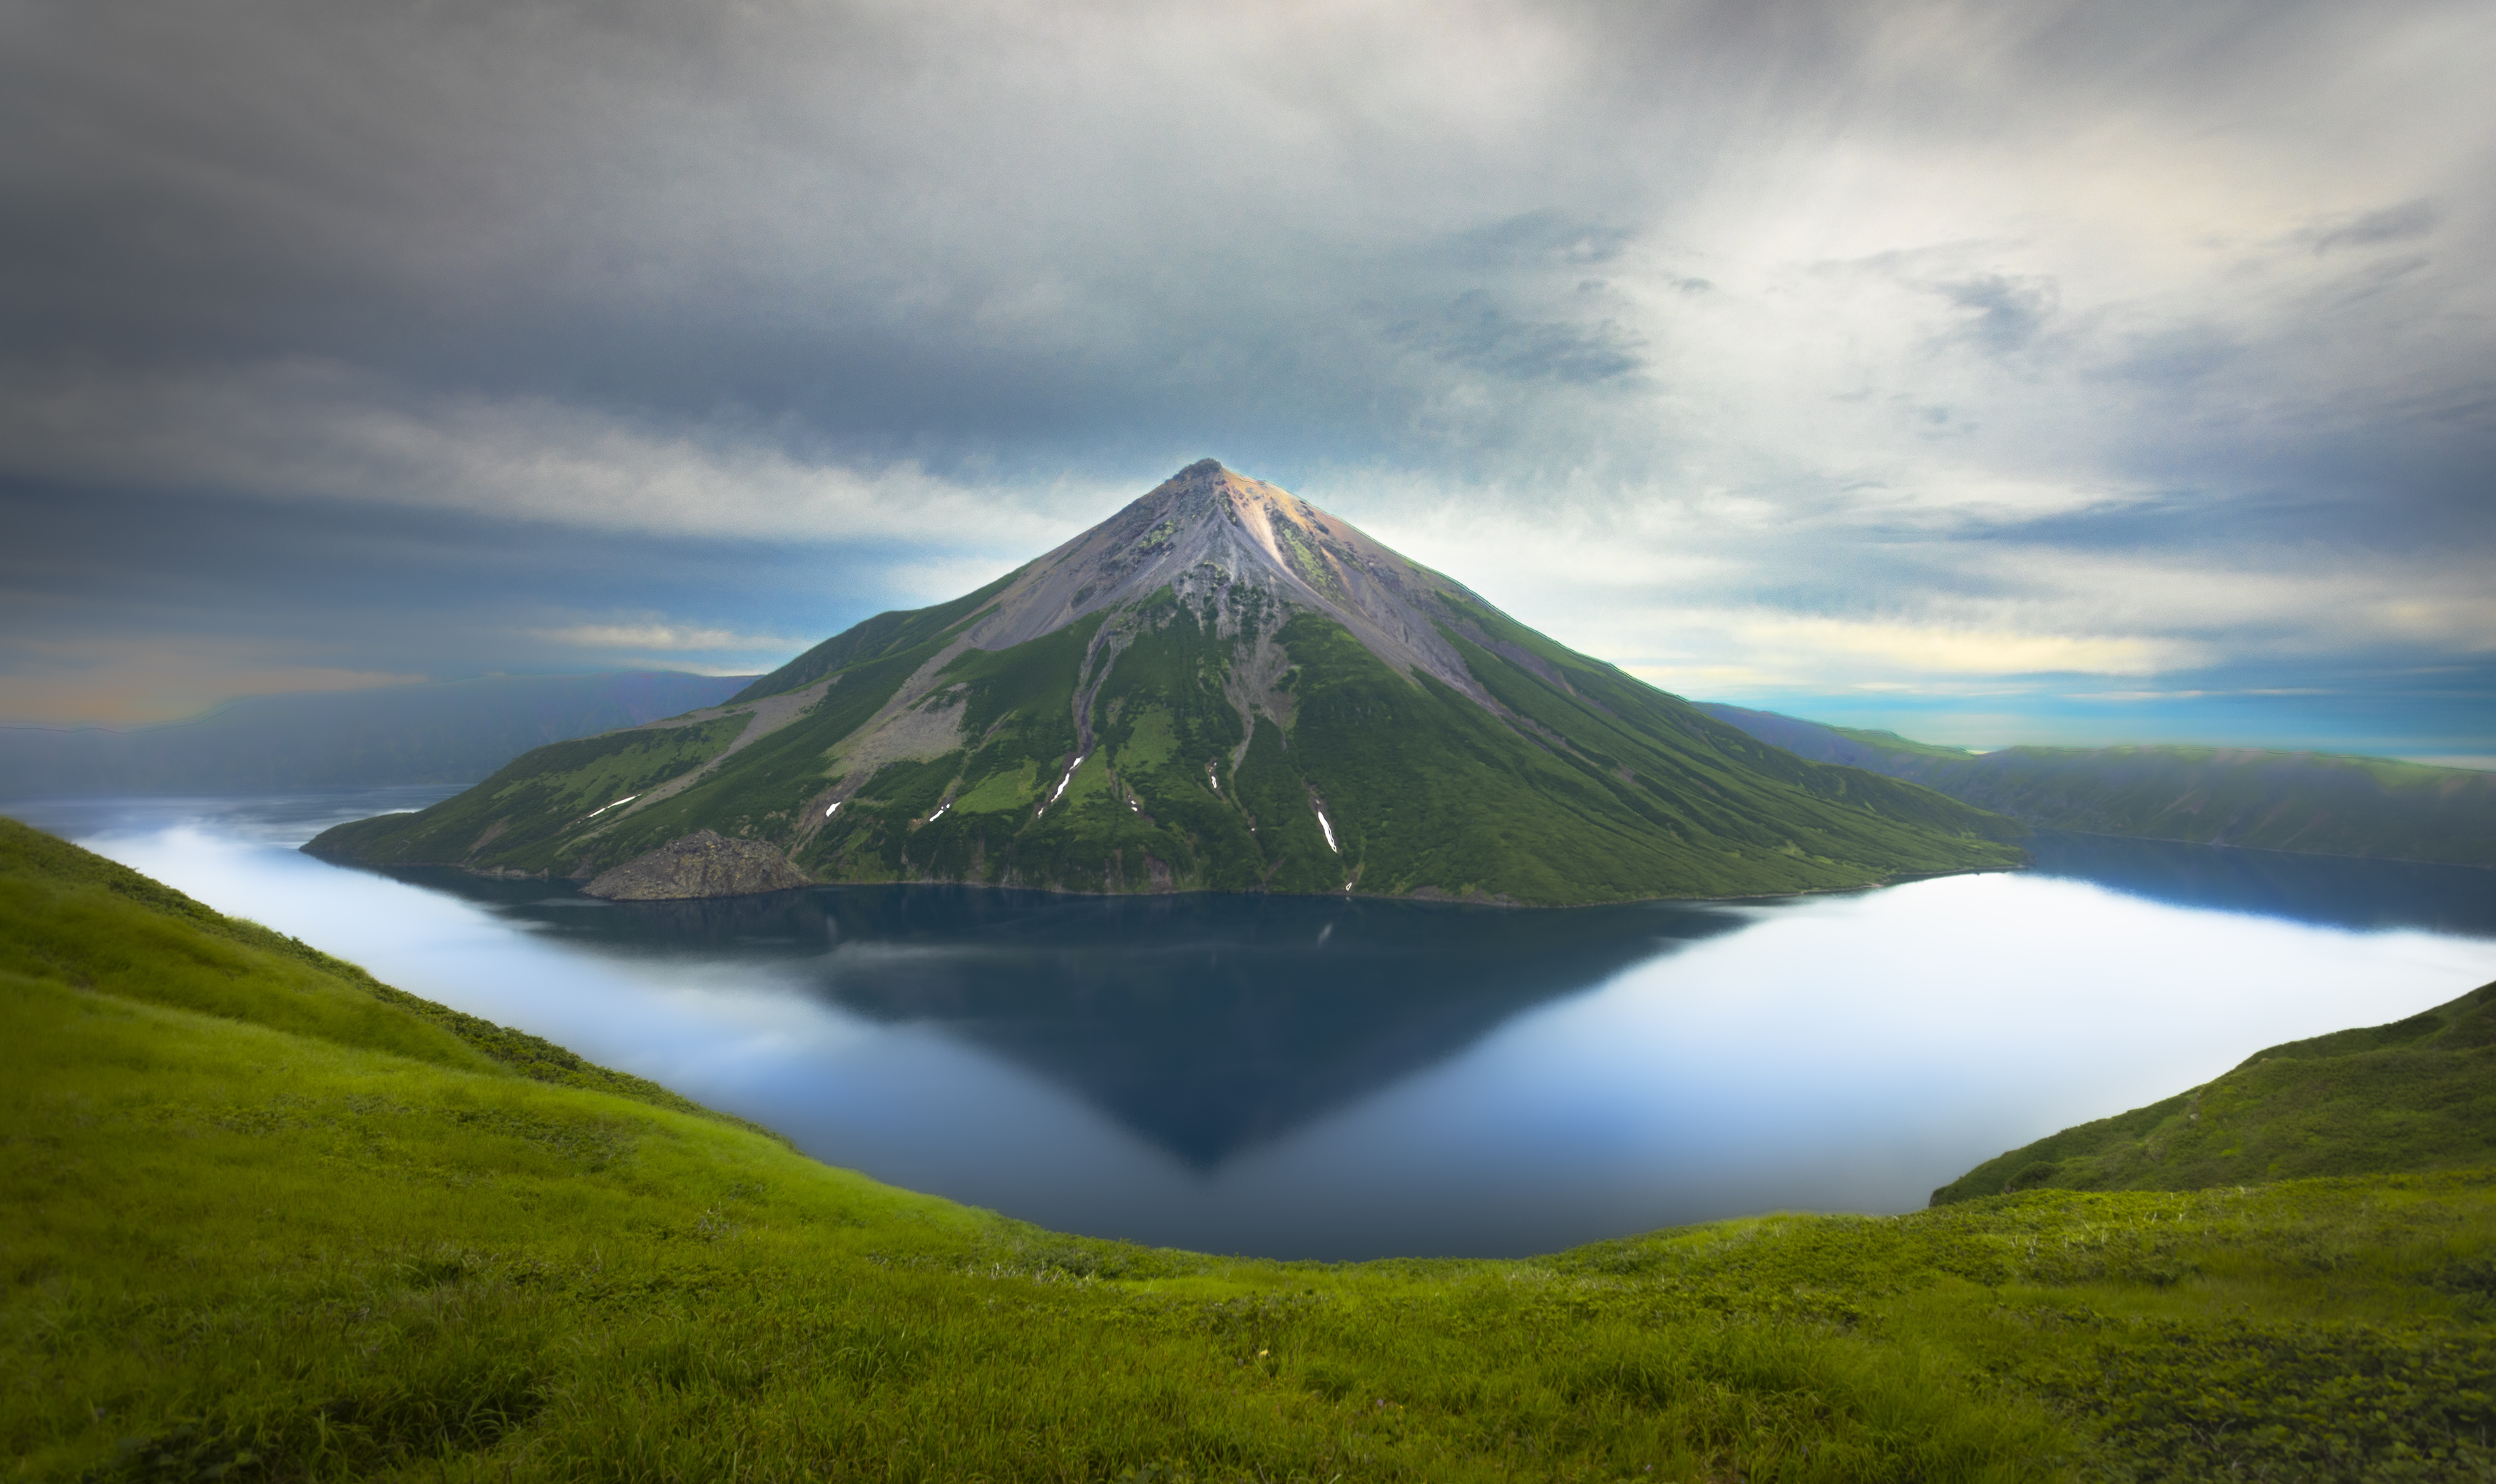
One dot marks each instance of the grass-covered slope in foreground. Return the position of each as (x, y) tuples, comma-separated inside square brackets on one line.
[(2413, 1095), (2319, 803), (1219, 689), (265, 1221)]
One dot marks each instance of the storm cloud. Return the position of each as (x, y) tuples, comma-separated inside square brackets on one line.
[(1955, 365)]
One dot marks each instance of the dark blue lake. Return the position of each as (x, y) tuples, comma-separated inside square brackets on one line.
[(1316, 1077)]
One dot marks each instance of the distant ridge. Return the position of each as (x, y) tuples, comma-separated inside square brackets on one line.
[(1220, 688), (2316, 803), (450, 732)]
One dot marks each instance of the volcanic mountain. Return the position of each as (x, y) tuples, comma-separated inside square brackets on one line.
[(1219, 688)]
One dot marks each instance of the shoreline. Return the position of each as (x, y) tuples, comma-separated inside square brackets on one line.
[(1440, 899)]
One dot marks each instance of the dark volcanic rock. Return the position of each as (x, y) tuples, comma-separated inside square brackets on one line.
[(702, 864)]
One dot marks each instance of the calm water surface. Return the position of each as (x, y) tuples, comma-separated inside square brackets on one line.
[(1338, 1079)]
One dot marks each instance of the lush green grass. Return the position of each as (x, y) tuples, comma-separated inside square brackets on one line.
[(2416, 1094), (1585, 785), (2313, 802), (70, 915), (264, 1222)]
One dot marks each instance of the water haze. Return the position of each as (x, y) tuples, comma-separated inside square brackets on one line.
[(1316, 1077)]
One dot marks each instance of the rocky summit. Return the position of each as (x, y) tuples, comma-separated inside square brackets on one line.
[(1219, 688)]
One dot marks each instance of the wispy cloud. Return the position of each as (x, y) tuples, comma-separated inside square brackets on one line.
[(1819, 645), (125, 683), (2406, 222), (326, 432), (664, 637)]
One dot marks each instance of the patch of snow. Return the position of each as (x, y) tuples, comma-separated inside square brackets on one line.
[(1063, 781), (1211, 779), (939, 813), (835, 806), (602, 808), (1330, 833)]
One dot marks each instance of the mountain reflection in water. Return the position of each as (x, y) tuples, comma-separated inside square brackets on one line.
[(1317, 1078), (1207, 1024)]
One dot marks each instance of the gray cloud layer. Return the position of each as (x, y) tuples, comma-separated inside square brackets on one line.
[(1768, 346)]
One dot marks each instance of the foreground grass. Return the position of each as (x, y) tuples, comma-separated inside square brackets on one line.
[(261, 1221)]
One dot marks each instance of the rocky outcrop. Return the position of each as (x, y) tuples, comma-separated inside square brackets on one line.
[(702, 864)]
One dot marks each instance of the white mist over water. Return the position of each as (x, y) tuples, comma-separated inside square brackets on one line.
[(1833, 1053)]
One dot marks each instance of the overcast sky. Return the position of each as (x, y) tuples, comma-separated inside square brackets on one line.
[(1994, 372)]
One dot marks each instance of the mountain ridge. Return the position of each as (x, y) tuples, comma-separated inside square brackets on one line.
[(1220, 686), (2304, 802)]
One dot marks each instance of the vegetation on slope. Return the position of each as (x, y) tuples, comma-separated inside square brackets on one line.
[(522, 816), (2313, 802), (537, 815), (265, 1222), (1143, 749), (2416, 1094), (1421, 789), (71, 915)]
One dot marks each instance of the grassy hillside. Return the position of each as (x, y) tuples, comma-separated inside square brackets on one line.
[(268, 1221), (2313, 802), (2416, 1094), (1233, 746)]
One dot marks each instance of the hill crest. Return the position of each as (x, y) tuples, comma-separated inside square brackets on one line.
[(2303, 802)]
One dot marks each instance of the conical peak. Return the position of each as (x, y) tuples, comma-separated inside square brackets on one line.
[(1199, 488), (1200, 482), (1205, 490), (1207, 527), (1208, 536)]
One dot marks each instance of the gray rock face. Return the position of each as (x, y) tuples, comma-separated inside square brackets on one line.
[(1206, 528), (702, 864)]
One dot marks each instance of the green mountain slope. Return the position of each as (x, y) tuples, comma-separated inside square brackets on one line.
[(2313, 802), (2416, 1094), (1220, 688), (269, 1219)]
